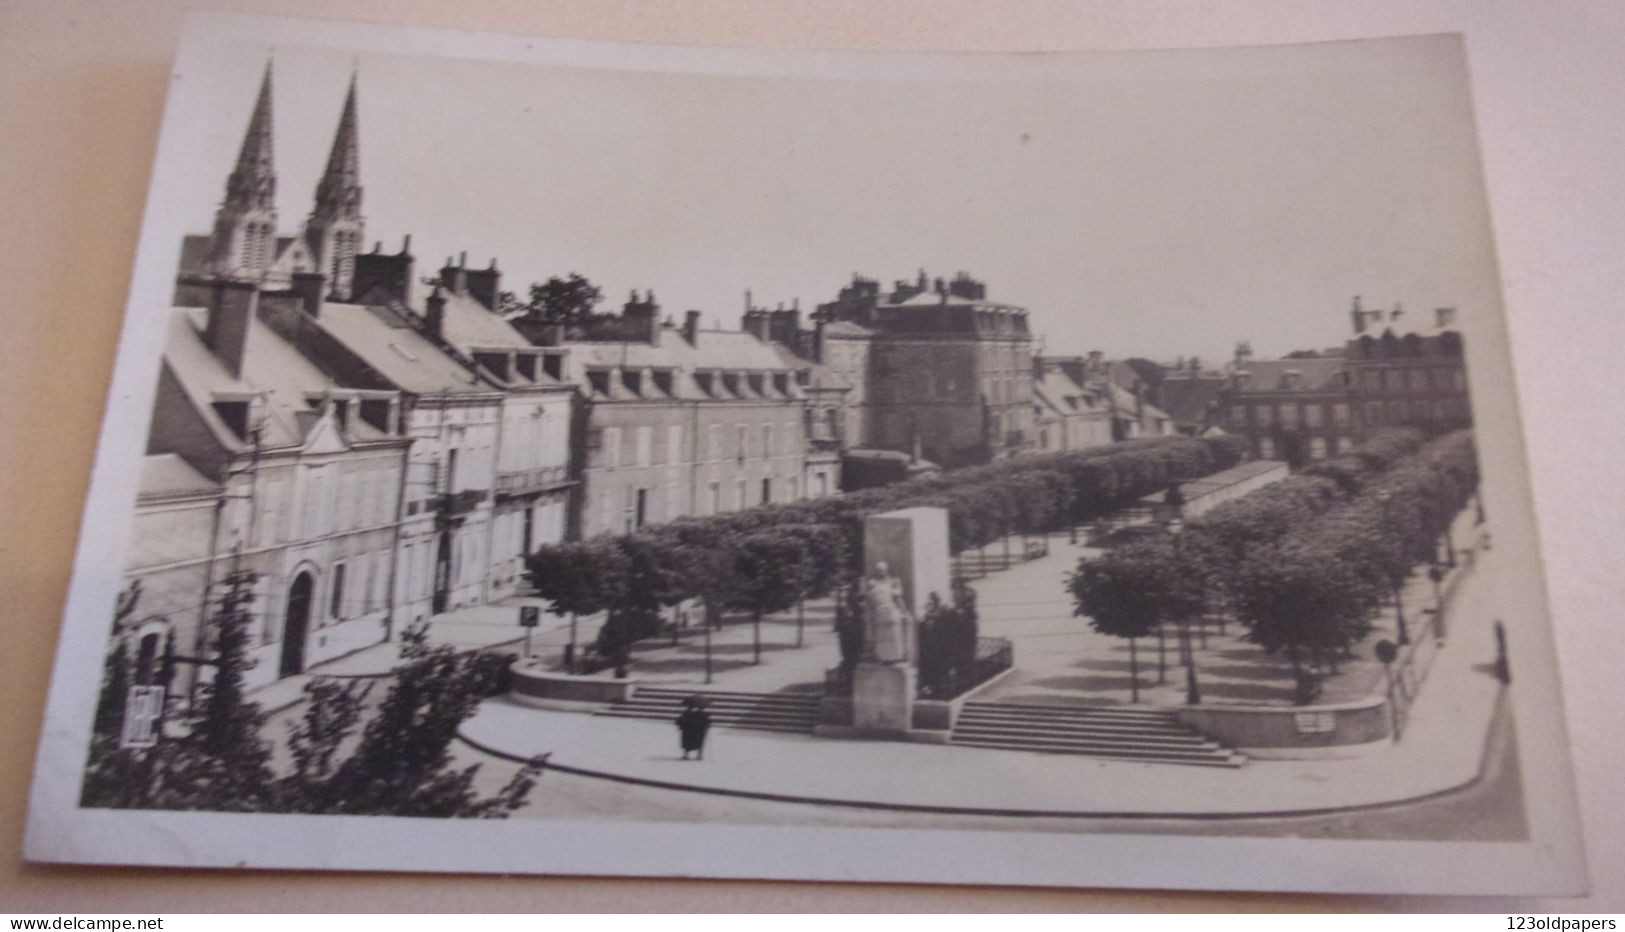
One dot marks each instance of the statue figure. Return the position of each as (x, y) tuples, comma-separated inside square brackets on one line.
[(888, 618)]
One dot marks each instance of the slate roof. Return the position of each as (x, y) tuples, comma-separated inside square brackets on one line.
[(1318, 374), (1065, 396), (846, 328), (1187, 400), (732, 351), (383, 337), (273, 371), (469, 325)]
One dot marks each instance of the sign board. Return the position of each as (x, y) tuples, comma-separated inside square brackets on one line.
[(143, 710), (1314, 723), (529, 616)]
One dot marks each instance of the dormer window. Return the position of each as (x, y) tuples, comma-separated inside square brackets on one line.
[(781, 383), (663, 381), (525, 363), (553, 365), (235, 416), (755, 381), (375, 411), (706, 382), (730, 383), (495, 363), (633, 380), (599, 380)]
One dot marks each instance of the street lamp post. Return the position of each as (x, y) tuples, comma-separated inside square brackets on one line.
[(1399, 583)]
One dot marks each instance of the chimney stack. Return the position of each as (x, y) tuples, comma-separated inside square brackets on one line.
[(308, 286), (484, 285), (691, 327), (642, 318), (395, 274), (434, 315), (232, 307), (1445, 316)]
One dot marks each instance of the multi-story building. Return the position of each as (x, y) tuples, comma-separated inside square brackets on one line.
[(368, 461), (1066, 414), (535, 470), (947, 374), (1124, 392), (1313, 405), (678, 421), (1295, 410), (1408, 374), (308, 471)]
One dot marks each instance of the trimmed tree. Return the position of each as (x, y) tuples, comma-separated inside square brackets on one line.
[(1131, 591), (578, 578), (766, 578), (1300, 596)]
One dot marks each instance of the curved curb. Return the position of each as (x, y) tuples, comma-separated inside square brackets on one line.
[(1478, 777)]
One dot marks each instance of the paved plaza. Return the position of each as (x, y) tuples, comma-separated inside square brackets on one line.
[(1057, 661)]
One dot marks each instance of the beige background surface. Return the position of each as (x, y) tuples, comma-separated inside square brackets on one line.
[(83, 88)]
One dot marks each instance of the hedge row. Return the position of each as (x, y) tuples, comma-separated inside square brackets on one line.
[(765, 558), (1303, 563), (1318, 586)]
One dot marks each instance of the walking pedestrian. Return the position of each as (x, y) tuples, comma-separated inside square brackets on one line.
[(692, 724)]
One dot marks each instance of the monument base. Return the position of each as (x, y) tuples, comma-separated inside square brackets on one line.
[(882, 700)]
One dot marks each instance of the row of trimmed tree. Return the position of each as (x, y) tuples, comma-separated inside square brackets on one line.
[(770, 558), (1304, 564)]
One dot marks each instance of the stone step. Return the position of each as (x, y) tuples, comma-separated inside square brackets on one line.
[(782, 712), (718, 695), (1103, 724), (714, 712), (1151, 735), (1168, 739), (789, 727), (1215, 758), (1100, 713)]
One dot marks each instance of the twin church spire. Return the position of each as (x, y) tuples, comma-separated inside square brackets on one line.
[(245, 243)]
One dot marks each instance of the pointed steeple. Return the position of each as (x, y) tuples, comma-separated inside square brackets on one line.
[(243, 245), (335, 229), (252, 184), (338, 194)]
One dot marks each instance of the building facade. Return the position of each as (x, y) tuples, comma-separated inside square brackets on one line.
[(1392, 373), (946, 374), (679, 421)]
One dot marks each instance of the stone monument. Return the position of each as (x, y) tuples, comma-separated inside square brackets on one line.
[(905, 558)]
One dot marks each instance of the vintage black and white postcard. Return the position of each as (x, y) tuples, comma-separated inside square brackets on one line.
[(1093, 469)]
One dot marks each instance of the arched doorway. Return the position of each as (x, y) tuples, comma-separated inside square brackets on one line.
[(297, 625)]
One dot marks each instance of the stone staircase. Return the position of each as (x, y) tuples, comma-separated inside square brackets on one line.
[(1150, 735), (796, 712)]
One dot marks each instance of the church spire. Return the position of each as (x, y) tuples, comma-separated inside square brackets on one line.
[(245, 225), (253, 181), (334, 230), (338, 194)]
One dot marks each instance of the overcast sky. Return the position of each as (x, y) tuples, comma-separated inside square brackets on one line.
[(1158, 204)]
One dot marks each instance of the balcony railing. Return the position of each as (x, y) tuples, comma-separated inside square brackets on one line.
[(520, 481)]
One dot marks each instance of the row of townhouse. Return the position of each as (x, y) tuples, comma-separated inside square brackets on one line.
[(373, 456), (1393, 371)]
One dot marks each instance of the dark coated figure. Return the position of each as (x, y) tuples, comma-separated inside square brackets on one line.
[(692, 724)]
